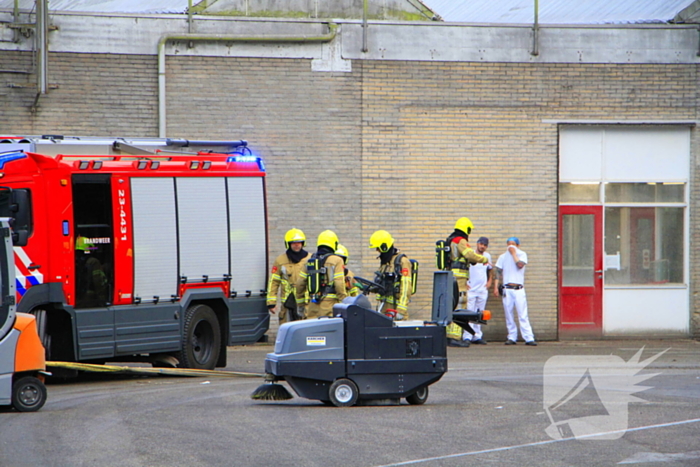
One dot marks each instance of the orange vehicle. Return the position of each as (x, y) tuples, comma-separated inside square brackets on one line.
[(22, 361)]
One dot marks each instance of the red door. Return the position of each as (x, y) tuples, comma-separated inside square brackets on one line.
[(580, 271)]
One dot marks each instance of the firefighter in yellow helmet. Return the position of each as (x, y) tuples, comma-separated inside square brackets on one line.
[(350, 285), (321, 283), (394, 275), (284, 276), (92, 285), (461, 257)]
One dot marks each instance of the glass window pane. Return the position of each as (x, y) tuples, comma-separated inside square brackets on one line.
[(644, 192), (644, 245), (577, 261), (579, 193)]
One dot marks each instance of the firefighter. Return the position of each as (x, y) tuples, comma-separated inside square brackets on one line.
[(350, 285), (461, 257), (322, 283), (91, 285), (394, 276), (284, 275)]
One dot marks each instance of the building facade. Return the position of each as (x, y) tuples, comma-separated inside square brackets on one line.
[(585, 151)]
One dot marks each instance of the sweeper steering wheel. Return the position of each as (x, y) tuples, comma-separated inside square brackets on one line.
[(343, 393)]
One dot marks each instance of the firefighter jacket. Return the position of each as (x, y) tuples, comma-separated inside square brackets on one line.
[(322, 305), (399, 293), (350, 286), (283, 277), (462, 257)]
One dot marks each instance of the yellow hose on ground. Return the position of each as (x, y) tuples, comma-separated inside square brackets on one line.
[(150, 371)]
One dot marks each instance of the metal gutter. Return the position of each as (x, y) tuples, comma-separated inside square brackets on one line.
[(320, 39), (618, 122)]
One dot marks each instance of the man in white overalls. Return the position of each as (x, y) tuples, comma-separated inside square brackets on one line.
[(479, 285), (510, 271)]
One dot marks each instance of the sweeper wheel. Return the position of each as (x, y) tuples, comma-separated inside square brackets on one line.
[(343, 393), (419, 397), (28, 394)]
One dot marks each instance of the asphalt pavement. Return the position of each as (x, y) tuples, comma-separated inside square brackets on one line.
[(557, 404)]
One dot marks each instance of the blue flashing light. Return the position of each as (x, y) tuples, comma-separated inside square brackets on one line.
[(247, 158), (10, 156)]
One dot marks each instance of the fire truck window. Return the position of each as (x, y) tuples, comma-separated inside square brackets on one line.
[(5, 201), (22, 210), (94, 249), (16, 204)]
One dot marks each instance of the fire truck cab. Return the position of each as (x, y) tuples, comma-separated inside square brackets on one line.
[(138, 248)]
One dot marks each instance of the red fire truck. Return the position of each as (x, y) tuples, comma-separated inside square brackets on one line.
[(139, 249)]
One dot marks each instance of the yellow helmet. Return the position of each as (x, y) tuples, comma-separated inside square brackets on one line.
[(82, 244), (382, 240), (343, 253), (328, 238), (294, 235), (465, 225)]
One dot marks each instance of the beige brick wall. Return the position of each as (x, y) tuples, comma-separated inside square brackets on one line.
[(89, 95), (404, 146), (468, 139)]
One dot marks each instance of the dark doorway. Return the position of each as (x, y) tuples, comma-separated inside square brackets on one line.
[(94, 245)]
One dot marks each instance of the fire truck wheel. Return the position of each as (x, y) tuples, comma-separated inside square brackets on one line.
[(419, 397), (201, 342), (343, 393), (28, 394), (44, 336)]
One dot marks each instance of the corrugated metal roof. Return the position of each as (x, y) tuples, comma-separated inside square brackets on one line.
[(558, 11), (105, 6), (466, 11)]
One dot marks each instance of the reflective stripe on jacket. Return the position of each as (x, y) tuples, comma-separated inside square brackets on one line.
[(399, 297), (283, 276)]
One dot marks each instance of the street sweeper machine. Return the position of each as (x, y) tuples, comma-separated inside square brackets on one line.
[(360, 356)]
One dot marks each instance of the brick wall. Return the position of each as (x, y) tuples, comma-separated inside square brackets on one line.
[(404, 146), (445, 140), (95, 95), (306, 125)]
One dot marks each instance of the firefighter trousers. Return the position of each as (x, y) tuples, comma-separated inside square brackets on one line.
[(454, 331), (323, 308)]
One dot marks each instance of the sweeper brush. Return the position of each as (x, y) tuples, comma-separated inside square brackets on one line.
[(271, 391)]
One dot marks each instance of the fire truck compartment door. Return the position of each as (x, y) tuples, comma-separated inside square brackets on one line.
[(203, 228), (155, 238), (246, 197)]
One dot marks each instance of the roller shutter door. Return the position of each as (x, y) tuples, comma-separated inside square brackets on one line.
[(247, 234), (155, 241), (202, 222)]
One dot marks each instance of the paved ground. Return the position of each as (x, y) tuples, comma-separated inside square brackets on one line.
[(487, 410)]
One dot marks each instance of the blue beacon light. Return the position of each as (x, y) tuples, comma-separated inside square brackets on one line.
[(248, 158)]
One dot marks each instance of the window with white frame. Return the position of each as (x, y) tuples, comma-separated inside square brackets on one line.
[(639, 174), (644, 239)]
